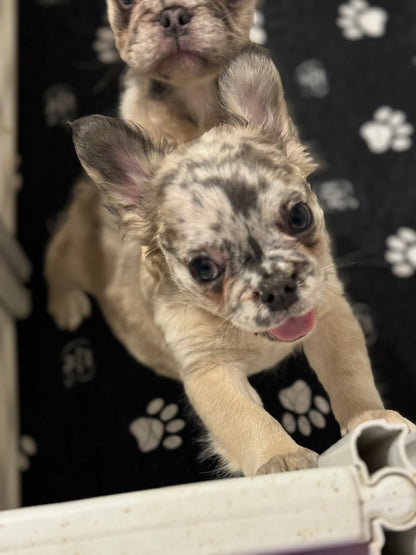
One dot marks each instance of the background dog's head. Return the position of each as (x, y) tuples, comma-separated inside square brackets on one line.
[(229, 218), (175, 41)]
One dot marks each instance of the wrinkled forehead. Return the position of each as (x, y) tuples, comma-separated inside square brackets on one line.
[(223, 189)]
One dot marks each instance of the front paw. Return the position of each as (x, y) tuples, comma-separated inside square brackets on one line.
[(69, 308), (297, 460), (390, 416)]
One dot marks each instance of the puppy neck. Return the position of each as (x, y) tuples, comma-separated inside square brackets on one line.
[(180, 113)]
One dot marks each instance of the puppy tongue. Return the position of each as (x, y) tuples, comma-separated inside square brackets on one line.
[(294, 327)]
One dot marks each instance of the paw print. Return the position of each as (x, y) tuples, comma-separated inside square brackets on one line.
[(27, 449), (78, 364), (60, 104), (307, 412), (104, 46), (160, 427), (358, 19), (389, 129), (401, 252), (337, 195), (258, 33), (312, 78)]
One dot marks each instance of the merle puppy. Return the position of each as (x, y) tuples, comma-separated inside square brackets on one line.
[(238, 271)]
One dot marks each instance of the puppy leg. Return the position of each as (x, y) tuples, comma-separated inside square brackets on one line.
[(67, 303), (250, 440), (337, 352), (68, 258)]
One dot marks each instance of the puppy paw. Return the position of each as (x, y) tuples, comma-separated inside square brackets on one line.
[(390, 416), (297, 460), (69, 309)]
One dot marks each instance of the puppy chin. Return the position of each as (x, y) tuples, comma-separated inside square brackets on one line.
[(181, 65)]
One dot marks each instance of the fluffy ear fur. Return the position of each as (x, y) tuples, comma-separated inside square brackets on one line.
[(121, 159), (250, 90)]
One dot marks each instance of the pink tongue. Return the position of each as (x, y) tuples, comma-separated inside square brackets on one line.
[(295, 327)]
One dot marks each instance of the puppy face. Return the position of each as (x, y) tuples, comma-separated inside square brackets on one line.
[(229, 218), (175, 41), (242, 233)]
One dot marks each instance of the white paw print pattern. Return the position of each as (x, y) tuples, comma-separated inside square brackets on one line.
[(389, 129), (104, 46), (27, 450), (258, 33), (358, 19), (60, 104), (401, 252), (337, 195), (305, 412), (312, 78), (78, 364), (159, 427)]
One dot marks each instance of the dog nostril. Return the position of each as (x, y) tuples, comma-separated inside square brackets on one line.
[(174, 19), (289, 288), (267, 298), (165, 20), (183, 17)]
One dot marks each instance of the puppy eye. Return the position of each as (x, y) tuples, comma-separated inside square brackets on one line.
[(203, 269), (126, 4), (300, 217)]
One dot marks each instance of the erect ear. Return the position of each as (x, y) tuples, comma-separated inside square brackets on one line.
[(250, 90), (121, 159)]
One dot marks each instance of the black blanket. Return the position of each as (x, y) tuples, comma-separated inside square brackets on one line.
[(93, 421)]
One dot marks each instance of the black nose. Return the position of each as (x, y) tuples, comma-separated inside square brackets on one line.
[(174, 21), (278, 295)]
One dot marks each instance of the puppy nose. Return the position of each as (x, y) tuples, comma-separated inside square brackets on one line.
[(174, 21), (279, 295)]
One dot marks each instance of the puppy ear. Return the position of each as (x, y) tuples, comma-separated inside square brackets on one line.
[(121, 159), (251, 91)]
